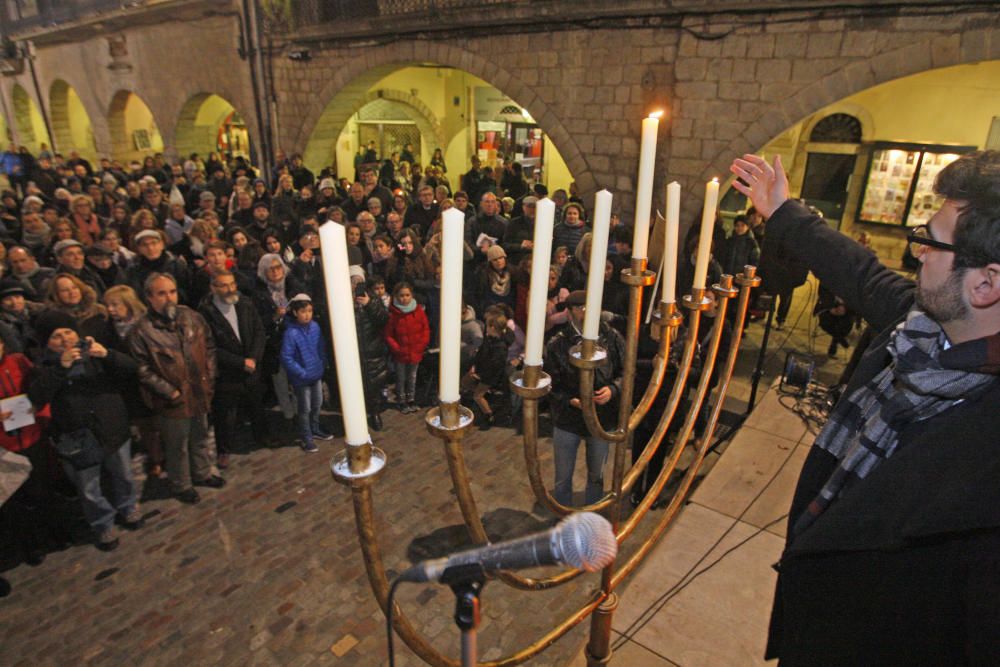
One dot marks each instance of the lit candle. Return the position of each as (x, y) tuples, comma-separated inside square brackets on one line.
[(707, 226), (644, 188), (340, 305), (670, 243), (598, 258), (452, 240), (538, 294)]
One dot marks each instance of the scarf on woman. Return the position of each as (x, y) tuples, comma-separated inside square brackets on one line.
[(408, 308), (923, 380), (499, 282)]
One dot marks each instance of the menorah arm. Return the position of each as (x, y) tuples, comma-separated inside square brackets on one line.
[(361, 495), (458, 469), (746, 281), (589, 409), (667, 416)]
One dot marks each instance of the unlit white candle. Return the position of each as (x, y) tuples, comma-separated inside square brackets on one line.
[(644, 187), (538, 294), (452, 239), (598, 259), (670, 243), (340, 306), (707, 226)]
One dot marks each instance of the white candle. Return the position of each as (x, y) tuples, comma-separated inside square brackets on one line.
[(707, 226), (340, 305), (452, 240), (644, 187), (538, 292), (670, 243), (598, 259)]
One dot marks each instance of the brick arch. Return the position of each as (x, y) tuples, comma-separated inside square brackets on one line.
[(322, 140), (191, 138), (946, 51), (62, 126), (355, 79), (121, 144)]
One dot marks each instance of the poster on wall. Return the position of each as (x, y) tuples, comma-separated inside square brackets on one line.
[(899, 184)]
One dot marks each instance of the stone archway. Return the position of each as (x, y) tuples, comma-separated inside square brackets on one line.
[(958, 49), (70, 121), (199, 121), (28, 120), (354, 80), (317, 152), (122, 128)]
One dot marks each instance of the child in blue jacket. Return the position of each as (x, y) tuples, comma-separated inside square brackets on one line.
[(304, 358)]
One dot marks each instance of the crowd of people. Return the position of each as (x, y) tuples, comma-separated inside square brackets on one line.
[(159, 306)]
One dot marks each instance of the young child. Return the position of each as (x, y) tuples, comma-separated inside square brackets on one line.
[(490, 370), (304, 358), (407, 334), (376, 285)]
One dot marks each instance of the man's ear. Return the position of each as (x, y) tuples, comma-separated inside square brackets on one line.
[(985, 286)]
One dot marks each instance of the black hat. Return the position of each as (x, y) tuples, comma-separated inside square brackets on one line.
[(49, 321), (10, 287), (260, 203), (97, 251), (575, 298)]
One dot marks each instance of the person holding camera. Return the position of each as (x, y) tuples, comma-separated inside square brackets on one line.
[(77, 379)]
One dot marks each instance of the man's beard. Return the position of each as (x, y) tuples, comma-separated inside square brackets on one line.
[(230, 299), (944, 303), (170, 311)]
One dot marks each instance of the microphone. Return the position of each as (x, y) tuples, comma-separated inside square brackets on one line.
[(583, 540)]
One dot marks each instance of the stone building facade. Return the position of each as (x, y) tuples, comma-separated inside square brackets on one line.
[(729, 80)]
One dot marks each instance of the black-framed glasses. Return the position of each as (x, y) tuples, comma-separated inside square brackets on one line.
[(920, 241)]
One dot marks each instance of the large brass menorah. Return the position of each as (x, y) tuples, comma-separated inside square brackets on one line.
[(360, 466)]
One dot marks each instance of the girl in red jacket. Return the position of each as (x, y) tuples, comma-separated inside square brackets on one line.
[(407, 335)]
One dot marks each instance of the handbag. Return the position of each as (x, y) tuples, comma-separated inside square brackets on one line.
[(80, 449)]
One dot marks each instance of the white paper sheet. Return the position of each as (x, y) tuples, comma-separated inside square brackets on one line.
[(22, 413)]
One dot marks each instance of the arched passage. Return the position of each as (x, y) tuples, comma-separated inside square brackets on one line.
[(70, 122), (209, 123), (28, 120), (134, 132), (350, 84), (381, 103)]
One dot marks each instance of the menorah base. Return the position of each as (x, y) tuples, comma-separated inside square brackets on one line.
[(358, 465)]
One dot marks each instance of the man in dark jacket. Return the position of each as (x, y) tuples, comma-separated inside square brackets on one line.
[(152, 257), (89, 421), (740, 249), (422, 214), (25, 269), (176, 354), (239, 348), (893, 549), (71, 258), (488, 222), (568, 426), (519, 238)]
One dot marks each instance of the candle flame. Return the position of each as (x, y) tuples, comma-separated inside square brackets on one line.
[(715, 179), (656, 114)]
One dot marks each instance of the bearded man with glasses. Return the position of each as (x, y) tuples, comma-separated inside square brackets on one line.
[(893, 548)]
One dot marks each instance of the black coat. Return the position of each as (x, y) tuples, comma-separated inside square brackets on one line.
[(566, 378), (230, 351), (273, 322), (88, 401), (904, 567), (370, 321)]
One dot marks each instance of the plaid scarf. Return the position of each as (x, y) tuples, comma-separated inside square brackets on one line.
[(923, 380)]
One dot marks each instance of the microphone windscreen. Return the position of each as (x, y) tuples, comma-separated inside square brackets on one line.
[(586, 541)]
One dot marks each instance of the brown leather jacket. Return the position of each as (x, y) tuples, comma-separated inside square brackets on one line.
[(178, 355)]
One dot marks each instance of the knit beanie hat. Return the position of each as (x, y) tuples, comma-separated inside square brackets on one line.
[(495, 252), (49, 321)]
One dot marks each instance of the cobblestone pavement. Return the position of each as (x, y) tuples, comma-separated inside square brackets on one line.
[(268, 569)]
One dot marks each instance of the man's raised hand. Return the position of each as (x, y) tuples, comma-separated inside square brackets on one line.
[(766, 186)]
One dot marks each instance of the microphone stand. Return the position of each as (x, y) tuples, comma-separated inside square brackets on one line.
[(466, 582)]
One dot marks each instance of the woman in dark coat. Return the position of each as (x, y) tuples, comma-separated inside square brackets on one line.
[(275, 288)]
